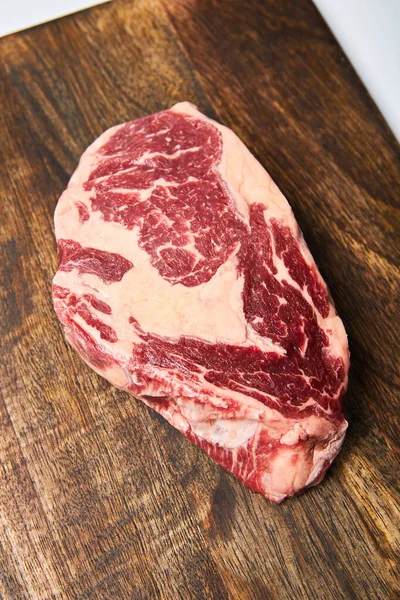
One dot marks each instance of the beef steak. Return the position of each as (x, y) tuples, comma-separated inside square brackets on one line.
[(184, 279)]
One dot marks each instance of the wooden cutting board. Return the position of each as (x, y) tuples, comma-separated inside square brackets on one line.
[(99, 497)]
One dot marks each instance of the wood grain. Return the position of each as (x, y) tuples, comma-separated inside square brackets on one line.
[(99, 497)]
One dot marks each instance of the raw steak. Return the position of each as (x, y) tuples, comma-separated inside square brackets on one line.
[(184, 279)]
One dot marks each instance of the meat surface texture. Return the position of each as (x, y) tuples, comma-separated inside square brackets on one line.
[(184, 279)]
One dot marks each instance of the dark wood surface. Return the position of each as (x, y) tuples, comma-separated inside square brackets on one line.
[(99, 497)]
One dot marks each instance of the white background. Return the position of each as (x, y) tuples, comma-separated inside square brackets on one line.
[(369, 33), (20, 14)]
